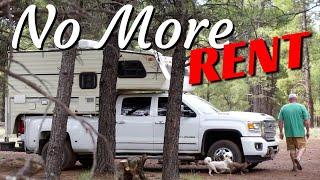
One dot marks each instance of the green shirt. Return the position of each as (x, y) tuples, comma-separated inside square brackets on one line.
[(293, 115)]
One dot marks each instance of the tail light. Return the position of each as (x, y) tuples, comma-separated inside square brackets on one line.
[(21, 127)]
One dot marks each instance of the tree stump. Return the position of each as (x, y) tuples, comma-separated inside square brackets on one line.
[(132, 168)]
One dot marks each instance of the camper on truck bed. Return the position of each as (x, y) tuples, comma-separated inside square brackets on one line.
[(141, 110), (137, 71)]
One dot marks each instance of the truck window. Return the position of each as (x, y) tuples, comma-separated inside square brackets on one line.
[(162, 108), (131, 69), (88, 80), (136, 106)]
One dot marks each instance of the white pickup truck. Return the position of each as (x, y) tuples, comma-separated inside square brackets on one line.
[(205, 131)]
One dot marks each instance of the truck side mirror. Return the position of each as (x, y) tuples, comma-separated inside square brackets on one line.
[(182, 108), (187, 113)]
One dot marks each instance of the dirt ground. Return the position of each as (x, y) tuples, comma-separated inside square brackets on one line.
[(279, 168)]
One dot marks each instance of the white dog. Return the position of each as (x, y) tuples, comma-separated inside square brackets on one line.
[(218, 166)]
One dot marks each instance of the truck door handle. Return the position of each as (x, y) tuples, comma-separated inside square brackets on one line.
[(120, 122), (160, 122)]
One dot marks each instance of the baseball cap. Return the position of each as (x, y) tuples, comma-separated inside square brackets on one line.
[(292, 96)]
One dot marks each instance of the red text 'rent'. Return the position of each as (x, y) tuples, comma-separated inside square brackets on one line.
[(203, 61)]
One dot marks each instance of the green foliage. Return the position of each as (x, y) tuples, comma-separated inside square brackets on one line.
[(226, 96), (84, 175), (263, 19), (315, 70)]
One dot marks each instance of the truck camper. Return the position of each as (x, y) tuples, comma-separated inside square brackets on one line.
[(137, 71)]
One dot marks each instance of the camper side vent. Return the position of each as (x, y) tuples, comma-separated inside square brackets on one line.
[(90, 100)]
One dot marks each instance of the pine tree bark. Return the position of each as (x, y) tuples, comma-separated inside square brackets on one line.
[(257, 93), (263, 95), (3, 60), (60, 117), (107, 108), (3, 86), (106, 149), (170, 170), (270, 94), (306, 66)]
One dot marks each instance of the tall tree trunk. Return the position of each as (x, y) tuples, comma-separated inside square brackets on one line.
[(106, 149), (270, 95), (263, 92), (60, 116), (3, 86), (256, 101), (3, 59), (307, 80), (170, 170), (107, 108), (306, 66)]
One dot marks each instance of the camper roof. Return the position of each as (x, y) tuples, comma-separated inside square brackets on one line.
[(57, 50), (88, 45)]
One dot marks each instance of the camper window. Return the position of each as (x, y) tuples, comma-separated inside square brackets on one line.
[(88, 80), (136, 106), (131, 69)]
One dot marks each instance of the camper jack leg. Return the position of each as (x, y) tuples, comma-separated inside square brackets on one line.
[(6, 145)]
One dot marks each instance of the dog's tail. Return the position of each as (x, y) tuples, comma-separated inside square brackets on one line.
[(207, 160)]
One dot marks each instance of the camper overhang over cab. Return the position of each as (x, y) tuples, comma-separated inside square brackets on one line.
[(137, 71)]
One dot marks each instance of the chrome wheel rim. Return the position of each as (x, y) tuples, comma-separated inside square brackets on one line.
[(220, 153)]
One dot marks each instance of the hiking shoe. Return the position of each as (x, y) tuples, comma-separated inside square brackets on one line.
[(294, 169), (298, 164)]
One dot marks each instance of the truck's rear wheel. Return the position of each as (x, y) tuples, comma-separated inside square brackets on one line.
[(218, 149), (69, 158), (86, 162)]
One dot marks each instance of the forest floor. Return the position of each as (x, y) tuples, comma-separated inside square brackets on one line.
[(279, 168)]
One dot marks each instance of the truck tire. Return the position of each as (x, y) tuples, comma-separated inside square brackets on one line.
[(86, 162), (69, 157), (217, 150)]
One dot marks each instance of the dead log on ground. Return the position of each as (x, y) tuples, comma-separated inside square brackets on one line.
[(132, 168)]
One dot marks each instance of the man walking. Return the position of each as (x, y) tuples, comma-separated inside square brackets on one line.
[(294, 117)]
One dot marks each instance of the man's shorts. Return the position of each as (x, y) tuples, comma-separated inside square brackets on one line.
[(294, 143)]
